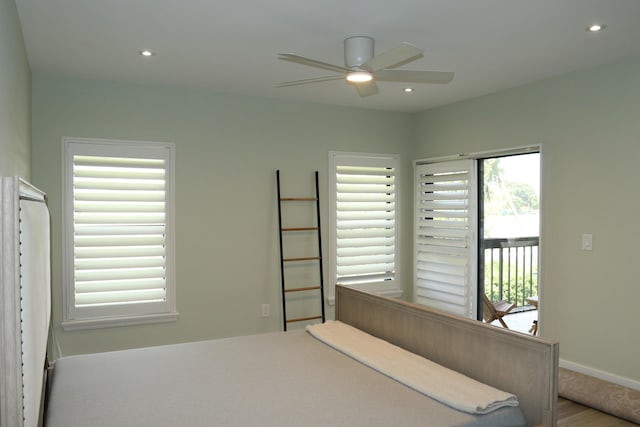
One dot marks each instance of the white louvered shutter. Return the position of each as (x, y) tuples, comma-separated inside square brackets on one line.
[(445, 244), (119, 231), (366, 210)]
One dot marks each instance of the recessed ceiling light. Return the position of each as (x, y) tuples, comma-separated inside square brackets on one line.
[(595, 28), (147, 53), (408, 89)]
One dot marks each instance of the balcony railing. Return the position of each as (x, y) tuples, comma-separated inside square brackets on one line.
[(511, 269)]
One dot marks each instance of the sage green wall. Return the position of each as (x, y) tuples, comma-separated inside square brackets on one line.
[(588, 123), (228, 148), (15, 98), (227, 151)]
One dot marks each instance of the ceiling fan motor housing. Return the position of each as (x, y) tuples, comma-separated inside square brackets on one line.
[(357, 51)]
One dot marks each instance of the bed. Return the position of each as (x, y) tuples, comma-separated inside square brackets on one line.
[(280, 378)]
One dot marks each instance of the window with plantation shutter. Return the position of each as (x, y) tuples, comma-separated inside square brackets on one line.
[(364, 212), (119, 233), (445, 243)]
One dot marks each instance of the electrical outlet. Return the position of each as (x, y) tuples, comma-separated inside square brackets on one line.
[(587, 242), (265, 310)]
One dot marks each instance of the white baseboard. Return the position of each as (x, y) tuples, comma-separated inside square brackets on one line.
[(602, 375)]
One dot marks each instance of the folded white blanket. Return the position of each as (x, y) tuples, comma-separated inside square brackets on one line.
[(436, 381)]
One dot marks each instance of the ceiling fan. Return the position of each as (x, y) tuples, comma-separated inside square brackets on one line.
[(362, 68)]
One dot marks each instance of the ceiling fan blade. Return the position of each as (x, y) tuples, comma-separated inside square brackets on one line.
[(393, 57), (410, 76), (307, 81), (311, 62), (366, 88)]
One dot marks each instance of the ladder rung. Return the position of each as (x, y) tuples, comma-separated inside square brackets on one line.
[(309, 288), (300, 229), (301, 259), (302, 319), (298, 199)]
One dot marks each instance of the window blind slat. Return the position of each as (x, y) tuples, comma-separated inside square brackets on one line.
[(443, 301), (431, 223), (444, 292), (363, 233), (364, 269), (123, 196), (80, 171), (365, 206), (119, 218), (118, 285), (455, 281), (443, 195), (112, 230), (444, 205), (437, 176), (106, 263), (366, 222), (367, 250), (443, 215), (365, 197), (366, 188), (362, 171), (434, 242), (445, 250), (345, 261), (442, 258), (115, 251), (444, 232), (119, 240), (125, 207), (116, 273), (95, 184), (364, 215), (357, 243), (124, 297), (87, 160), (365, 279), (441, 272)]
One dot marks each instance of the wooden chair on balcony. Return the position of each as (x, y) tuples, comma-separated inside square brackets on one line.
[(495, 310)]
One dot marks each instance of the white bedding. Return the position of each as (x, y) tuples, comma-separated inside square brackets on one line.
[(436, 381), (277, 379)]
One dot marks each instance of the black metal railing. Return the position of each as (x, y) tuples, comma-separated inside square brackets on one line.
[(510, 269)]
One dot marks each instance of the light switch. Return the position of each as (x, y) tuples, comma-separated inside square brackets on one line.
[(587, 242)]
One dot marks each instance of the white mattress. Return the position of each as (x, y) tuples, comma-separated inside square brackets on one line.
[(278, 379)]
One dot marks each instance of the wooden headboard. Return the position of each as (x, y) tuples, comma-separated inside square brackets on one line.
[(517, 363), (25, 302)]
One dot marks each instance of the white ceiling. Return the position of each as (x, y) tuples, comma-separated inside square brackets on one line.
[(231, 46)]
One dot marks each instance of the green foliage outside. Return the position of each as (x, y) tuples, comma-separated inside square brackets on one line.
[(503, 197), (514, 288)]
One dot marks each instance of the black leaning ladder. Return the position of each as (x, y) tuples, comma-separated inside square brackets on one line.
[(286, 290)]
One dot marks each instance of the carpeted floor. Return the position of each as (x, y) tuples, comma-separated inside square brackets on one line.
[(604, 396), (572, 414)]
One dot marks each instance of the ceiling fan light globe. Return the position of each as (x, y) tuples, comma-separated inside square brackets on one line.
[(359, 77)]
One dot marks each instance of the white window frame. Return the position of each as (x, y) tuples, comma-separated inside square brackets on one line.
[(393, 286), (470, 304), (89, 317)]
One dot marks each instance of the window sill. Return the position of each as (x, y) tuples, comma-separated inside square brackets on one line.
[(390, 293), (112, 322)]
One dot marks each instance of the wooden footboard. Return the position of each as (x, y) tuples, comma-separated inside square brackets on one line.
[(517, 363)]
